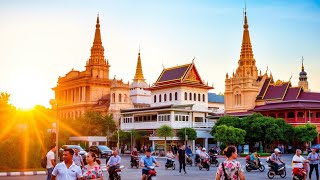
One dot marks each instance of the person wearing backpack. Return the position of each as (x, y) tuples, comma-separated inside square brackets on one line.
[(230, 169), (51, 162)]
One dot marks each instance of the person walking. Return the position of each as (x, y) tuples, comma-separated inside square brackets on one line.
[(231, 168), (51, 162), (92, 170), (313, 158), (77, 158), (67, 170), (181, 155)]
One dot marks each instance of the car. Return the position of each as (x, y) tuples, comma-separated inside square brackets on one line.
[(82, 152), (101, 150)]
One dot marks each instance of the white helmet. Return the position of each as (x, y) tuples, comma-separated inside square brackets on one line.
[(203, 149), (276, 150)]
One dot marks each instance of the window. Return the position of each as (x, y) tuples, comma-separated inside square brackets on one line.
[(185, 96), (127, 120), (155, 98), (281, 115), (170, 97), (300, 115), (318, 115), (203, 98), (113, 97), (195, 97), (125, 98), (199, 99), (290, 115), (160, 98), (165, 97), (181, 117), (190, 96), (175, 96), (120, 97), (198, 119), (164, 117)]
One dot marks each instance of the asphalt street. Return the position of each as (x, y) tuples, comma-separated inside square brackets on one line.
[(192, 172)]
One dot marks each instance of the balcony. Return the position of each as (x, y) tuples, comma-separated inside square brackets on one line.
[(203, 125)]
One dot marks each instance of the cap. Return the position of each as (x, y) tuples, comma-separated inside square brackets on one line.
[(276, 150), (203, 149)]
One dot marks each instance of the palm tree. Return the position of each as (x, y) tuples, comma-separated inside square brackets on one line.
[(165, 131)]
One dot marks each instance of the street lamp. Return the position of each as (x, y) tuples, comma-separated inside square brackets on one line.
[(53, 103)]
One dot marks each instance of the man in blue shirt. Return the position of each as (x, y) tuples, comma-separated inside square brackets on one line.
[(113, 163), (146, 161)]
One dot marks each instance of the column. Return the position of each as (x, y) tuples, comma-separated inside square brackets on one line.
[(206, 143), (153, 145), (83, 93), (193, 146), (79, 94)]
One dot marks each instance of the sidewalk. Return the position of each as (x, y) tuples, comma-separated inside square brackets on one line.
[(26, 173)]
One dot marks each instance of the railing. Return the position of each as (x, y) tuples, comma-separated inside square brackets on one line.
[(143, 125), (203, 124)]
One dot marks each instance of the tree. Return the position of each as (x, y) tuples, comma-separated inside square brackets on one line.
[(305, 133), (229, 135), (228, 121), (165, 131), (191, 134)]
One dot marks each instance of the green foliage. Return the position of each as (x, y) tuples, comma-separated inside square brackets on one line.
[(305, 133), (191, 133), (229, 135), (228, 121), (165, 131)]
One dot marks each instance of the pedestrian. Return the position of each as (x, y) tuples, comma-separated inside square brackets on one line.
[(67, 170), (239, 149), (181, 155), (51, 162), (218, 149), (77, 158), (313, 158), (113, 163), (230, 168), (92, 170)]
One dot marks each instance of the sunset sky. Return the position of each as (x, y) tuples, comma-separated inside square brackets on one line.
[(42, 40)]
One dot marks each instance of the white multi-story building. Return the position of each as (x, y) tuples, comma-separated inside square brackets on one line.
[(179, 98)]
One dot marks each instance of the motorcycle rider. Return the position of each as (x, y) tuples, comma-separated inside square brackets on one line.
[(212, 151), (134, 154), (189, 151), (169, 156), (298, 161), (203, 155), (276, 159), (113, 163), (146, 161), (254, 158), (198, 152)]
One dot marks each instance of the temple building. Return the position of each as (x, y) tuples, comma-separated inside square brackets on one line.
[(247, 92), (91, 89), (179, 98), (139, 93)]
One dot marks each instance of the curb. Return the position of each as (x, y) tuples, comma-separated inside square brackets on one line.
[(27, 173)]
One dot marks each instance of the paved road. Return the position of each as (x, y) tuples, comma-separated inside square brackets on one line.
[(192, 172)]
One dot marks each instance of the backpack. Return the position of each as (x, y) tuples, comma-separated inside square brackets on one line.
[(43, 162)]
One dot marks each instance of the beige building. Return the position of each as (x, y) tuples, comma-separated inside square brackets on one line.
[(91, 89)]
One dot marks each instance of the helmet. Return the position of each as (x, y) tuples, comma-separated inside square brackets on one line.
[(203, 149), (276, 150)]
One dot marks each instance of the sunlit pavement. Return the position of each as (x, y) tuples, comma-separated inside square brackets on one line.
[(192, 172)]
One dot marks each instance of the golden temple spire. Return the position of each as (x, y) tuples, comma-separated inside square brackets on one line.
[(302, 67), (139, 73)]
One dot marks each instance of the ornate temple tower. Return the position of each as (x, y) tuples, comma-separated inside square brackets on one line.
[(242, 88), (303, 79), (140, 96)]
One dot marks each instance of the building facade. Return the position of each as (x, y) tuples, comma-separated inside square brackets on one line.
[(91, 89)]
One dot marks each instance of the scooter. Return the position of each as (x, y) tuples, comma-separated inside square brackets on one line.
[(117, 173), (205, 163), (170, 164), (189, 160), (301, 173), (250, 165), (281, 170), (213, 160), (152, 173), (135, 162), (197, 160)]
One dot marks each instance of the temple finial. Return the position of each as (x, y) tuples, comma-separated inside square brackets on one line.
[(193, 59), (302, 67), (139, 72)]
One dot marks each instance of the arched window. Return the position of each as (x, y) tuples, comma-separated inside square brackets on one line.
[(203, 98), (272, 115), (160, 98), (281, 115), (318, 115), (125, 98), (290, 114), (165, 97), (113, 97), (175, 96), (190, 96), (195, 97), (199, 97), (120, 97), (300, 115), (185, 96), (170, 97), (155, 98)]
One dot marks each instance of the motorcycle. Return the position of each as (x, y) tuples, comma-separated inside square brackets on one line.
[(197, 160), (301, 172), (250, 165), (189, 160), (281, 170), (152, 173), (170, 164), (117, 173), (205, 163), (135, 162), (213, 160)]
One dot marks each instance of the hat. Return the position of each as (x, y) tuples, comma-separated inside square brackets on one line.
[(203, 149), (276, 150)]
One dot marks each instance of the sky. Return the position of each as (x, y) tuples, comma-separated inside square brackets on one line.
[(42, 40)]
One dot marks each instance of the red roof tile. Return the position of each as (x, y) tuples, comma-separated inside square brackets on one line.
[(309, 96), (276, 91), (173, 73), (288, 105), (264, 88), (292, 93)]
